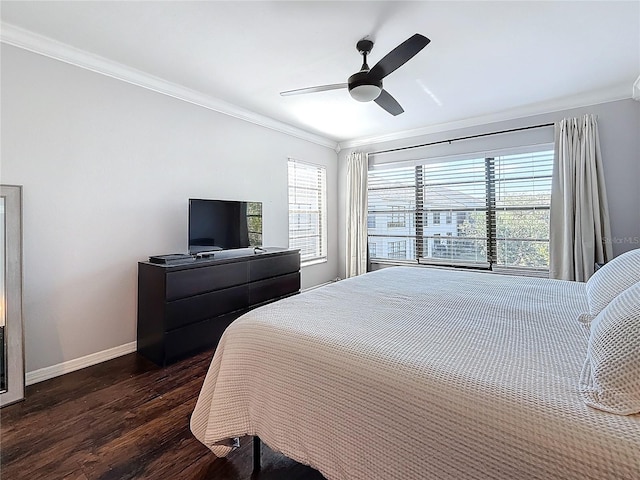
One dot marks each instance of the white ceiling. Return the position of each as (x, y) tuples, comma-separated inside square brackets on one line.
[(487, 61)]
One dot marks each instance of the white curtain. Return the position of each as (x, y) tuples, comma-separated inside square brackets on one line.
[(357, 166), (580, 234)]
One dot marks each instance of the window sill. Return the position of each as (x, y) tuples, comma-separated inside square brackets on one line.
[(432, 263), (484, 268), (522, 272), (315, 261)]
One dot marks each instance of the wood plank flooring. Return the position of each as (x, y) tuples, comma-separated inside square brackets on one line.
[(123, 419)]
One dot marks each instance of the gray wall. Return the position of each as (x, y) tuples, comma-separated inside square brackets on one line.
[(107, 169), (619, 129)]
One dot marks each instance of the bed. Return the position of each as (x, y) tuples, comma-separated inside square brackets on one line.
[(419, 373)]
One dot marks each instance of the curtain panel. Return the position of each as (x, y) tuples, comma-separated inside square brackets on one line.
[(356, 248), (580, 232)]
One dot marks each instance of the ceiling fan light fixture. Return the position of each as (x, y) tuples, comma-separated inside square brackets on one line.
[(365, 93), (364, 88)]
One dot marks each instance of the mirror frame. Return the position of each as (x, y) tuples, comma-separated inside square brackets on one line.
[(14, 338)]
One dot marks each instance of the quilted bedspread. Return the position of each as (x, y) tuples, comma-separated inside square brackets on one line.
[(418, 373)]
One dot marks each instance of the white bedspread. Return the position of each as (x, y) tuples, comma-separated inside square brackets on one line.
[(412, 373)]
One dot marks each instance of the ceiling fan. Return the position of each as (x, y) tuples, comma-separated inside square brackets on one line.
[(366, 85)]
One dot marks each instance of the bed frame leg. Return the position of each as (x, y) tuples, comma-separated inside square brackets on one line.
[(256, 453)]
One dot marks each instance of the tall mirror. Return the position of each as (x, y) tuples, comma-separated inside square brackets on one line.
[(11, 336)]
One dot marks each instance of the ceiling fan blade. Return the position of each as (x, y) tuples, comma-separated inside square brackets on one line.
[(321, 88), (390, 104), (399, 56)]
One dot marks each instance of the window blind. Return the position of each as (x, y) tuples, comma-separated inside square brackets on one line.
[(476, 211), (307, 210), (523, 198)]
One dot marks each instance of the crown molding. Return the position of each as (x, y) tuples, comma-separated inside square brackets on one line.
[(636, 89), (619, 92), (33, 42)]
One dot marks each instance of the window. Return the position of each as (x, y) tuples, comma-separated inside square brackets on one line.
[(522, 200), (307, 211), (496, 210), (398, 249), (398, 217), (254, 222), (371, 221)]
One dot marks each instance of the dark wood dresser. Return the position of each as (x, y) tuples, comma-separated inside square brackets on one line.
[(185, 307)]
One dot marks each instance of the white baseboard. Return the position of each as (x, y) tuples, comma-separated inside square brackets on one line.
[(46, 373)]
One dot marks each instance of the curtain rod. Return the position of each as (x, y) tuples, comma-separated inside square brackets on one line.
[(461, 138)]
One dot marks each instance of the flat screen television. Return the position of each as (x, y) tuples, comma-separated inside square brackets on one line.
[(224, 224)]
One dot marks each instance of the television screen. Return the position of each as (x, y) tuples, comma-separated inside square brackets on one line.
[(224, 224)]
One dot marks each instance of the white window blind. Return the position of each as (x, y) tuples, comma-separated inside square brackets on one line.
[(307, 210), (522, 201), (487, 212)]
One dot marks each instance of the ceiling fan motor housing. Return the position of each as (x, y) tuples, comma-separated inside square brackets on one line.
[(364, 46), (363, 88)]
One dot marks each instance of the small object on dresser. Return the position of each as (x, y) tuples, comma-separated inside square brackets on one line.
[(208, 254), (172, 259)]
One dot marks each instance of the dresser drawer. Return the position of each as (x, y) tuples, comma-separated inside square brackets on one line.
[(273, 288), (193, 309), (193, 281), (191, 338), (273, 266)]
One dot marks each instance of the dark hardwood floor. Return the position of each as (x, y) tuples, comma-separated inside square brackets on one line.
[(123, 419)]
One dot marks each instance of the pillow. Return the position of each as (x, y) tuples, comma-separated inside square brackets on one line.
[(611, 279), (610, 378)]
